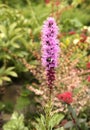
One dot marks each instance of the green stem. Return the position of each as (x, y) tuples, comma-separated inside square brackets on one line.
[(74, 117), (48, 113), (48, 109)]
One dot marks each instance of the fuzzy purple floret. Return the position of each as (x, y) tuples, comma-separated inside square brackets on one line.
[(50, 48)]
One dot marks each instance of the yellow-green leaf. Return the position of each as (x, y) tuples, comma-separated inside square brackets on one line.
[(12, 73), (6, 78)]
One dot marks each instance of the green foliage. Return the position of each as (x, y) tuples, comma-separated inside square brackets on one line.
[(20, 29), (40, 125), (71, 24), (54, 121), (79, 123), (15, 42), (36, 17), (60, 128), (22, 103), (14, 3), (12, 34), (5, 74), (71, 125), (2, 105), (77, 2), (23, 100), (16, 123), (74, 18)]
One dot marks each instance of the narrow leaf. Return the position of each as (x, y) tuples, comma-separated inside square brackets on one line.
[(12, 73), (55, 120), (6, 78)]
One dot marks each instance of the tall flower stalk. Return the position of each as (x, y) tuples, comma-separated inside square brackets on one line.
[(50, 50)]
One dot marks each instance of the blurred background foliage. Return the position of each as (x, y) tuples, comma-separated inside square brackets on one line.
[(21, 73)]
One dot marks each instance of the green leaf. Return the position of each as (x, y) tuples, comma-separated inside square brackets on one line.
[(21, 54), (2, 70), (5, 56), (25, 93), (12, 73), (76, 22), (16, 123), (15, 45), (12, 27), (3, 29), (1, 81), (9, 69), (14, 116), (69, 124), (55, 120), (22, 102), (14, 38), (6, 78), (73, 112), (2, 105), (76, 2), (61, 128), (40, 125)]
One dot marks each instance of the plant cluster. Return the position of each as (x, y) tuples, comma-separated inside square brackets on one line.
[(63, 49)]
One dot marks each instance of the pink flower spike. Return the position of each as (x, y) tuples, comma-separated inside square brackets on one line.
[(50, 49)]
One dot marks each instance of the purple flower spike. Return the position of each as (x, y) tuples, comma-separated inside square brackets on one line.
[(50, 49)]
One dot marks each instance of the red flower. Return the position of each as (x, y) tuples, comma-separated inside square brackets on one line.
[(57, 3), (47, 1), (83, 37), (65, 97), (88, 78), (72, 33), (88, 65)]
